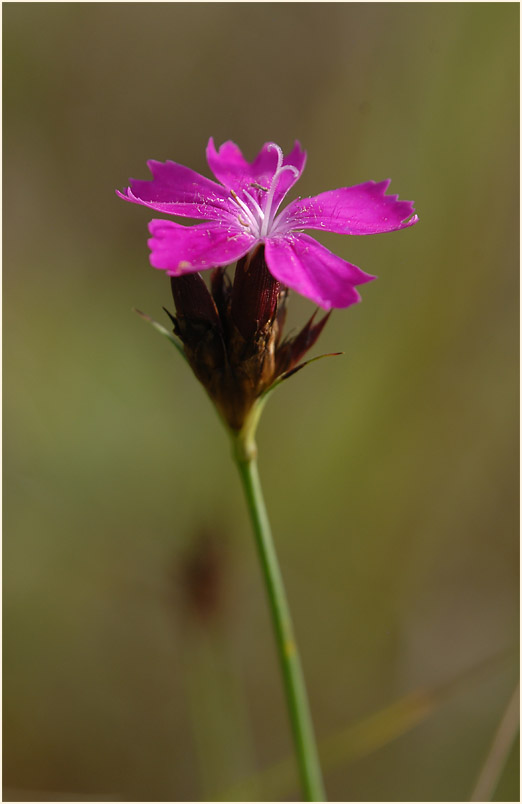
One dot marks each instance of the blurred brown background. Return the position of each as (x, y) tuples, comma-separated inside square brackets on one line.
[(138, 657)]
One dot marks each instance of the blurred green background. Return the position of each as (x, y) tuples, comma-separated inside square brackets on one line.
[(138, 656)]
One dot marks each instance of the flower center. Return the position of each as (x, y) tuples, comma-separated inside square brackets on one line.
[(258, 219)]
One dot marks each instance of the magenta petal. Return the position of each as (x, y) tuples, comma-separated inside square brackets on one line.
[(178, 190), (232, 169), (299, 261), (180, 249), (360, 210), (229, 165)]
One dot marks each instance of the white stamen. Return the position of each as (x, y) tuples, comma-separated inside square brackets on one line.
[(260, 221), (269, 215), (254, 225), (279, 158), (258, 208)]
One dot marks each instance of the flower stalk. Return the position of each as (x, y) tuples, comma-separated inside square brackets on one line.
[(245, 456), (231, 334)]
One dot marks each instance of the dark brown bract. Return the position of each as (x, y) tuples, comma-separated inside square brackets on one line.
[(233, 334)]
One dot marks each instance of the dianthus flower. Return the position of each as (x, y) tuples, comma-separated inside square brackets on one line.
[(241, 213), (232, 332)]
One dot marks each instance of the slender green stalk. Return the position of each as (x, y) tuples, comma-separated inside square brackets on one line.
[(299, 710)]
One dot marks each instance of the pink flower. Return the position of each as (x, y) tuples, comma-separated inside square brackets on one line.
[(241, 212)]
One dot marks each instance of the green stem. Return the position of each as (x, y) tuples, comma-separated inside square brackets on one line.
[(299, 710)]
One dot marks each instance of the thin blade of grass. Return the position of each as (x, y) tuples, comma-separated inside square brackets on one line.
[(363, 738), (496, 759)]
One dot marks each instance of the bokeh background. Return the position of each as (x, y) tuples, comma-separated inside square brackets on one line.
[(138, 656)]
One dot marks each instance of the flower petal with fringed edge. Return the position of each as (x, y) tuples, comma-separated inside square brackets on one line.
[(241, 212)]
